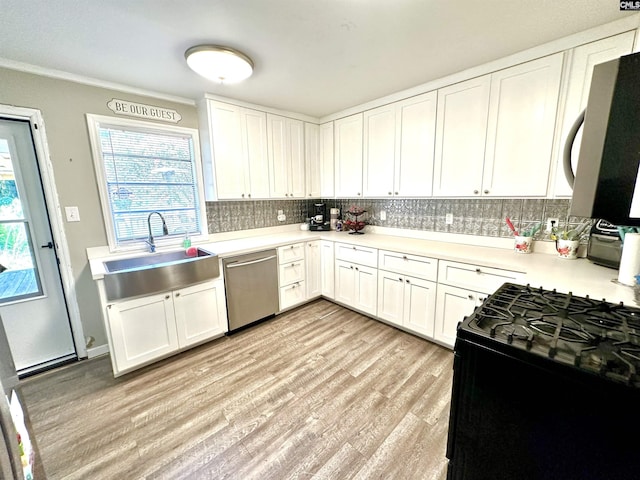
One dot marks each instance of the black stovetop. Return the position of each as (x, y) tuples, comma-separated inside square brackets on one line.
[(590, 335)]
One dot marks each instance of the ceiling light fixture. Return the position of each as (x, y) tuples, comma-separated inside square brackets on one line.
[(219, 64)]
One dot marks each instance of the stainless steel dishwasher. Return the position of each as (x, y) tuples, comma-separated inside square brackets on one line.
[(251, 282)]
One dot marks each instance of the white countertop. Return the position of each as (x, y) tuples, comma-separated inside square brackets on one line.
[(581, 276)]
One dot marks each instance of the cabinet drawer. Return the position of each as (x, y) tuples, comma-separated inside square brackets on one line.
[(475, 277), (421, 267), (292, 295), (357, 254), (291, 273), (290, 253)]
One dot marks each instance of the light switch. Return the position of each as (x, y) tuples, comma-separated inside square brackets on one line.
[(73, 214), (383, 215)]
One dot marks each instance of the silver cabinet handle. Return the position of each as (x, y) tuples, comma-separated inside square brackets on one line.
[(486, 191), (177, 294), (259, 260), (478, 270), (476, 192), (470, 297), (167, 297)]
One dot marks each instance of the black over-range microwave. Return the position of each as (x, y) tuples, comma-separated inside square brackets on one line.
[(606, 182)]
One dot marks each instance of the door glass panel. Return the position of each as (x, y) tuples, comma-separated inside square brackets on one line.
[(19, 277)]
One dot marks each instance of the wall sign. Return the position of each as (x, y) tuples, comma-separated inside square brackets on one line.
[(123, 107)]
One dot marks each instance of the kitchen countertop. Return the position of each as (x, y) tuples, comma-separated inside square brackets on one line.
[(580, 276)]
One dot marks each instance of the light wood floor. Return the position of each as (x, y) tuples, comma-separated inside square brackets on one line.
[(317, 393)]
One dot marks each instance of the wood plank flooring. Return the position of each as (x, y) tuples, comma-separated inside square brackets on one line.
[(319, 393)]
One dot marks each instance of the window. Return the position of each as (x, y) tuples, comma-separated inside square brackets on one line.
[(143, 168)]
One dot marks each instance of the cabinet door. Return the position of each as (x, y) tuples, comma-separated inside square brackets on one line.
[(286, 157), (255, 151), (452, 305), (326, 160), (328, 268), (348, 156), (200, 311), (583, 59), (231, 167), (461, 132), (295, 158), (313, 279), (379, 151), (419, 306), (390, 297), (142, 330), (414, 161), (345, 284), (366, 279), (278, 162), (312, 159), (522, 117)]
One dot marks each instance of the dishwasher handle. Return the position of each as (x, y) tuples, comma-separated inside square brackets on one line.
[(259, 260)]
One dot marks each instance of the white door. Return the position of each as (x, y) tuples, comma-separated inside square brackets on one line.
[(32, 301)]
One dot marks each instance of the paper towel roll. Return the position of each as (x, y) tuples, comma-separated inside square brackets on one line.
[(630, 260)]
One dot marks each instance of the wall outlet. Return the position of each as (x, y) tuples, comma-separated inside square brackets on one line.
[(551, 222), (383, 215), (448, 219), (281, 216)]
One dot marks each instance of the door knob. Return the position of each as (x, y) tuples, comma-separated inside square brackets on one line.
[(47, 245)]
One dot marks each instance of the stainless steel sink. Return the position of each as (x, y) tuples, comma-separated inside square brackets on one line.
[(159, 272)]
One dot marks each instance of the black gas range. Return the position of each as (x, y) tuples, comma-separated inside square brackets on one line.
[(546, 386)]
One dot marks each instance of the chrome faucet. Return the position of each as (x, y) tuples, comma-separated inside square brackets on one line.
[(165, 231)]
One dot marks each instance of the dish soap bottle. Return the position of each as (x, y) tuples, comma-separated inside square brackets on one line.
[(186, 243)]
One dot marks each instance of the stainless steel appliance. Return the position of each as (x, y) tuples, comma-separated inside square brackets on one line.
[(605, 244), (546, 386), (17, 447), (251, 283), (607, 172)]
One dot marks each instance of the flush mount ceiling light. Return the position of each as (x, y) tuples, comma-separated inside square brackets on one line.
[(219, 64)]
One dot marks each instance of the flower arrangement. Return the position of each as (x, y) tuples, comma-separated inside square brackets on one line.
[(353, 223)]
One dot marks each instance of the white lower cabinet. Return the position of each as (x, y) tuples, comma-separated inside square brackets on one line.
[(201, 312), (327, 261), (313, 261), (356, 286), (461, 288), (152, 327), (407, 302), (291, 275), (452, 305)]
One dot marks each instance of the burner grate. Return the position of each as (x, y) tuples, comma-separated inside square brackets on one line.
[(600, 337)]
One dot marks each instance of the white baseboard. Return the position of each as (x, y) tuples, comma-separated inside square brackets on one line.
[(97, 351)]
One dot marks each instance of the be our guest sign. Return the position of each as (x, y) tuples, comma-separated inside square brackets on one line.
[(123, 107)]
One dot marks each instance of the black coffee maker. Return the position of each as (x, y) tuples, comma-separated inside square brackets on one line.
[(319, 220)]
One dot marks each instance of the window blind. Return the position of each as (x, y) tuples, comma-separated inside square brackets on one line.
[(147, 171)]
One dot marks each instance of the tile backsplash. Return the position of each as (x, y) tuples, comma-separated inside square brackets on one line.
[(470, 216)]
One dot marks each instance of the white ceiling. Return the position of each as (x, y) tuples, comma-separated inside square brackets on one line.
[(315, 57)]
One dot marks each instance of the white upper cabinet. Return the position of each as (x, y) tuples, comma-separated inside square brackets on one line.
[(326, 160), (348, 156), (312, 159), (522, 117), (286, 157), (495, 133), (379, 151), (414, 173), (398, 148), (239, 151), (461, 133), (583, 59)]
